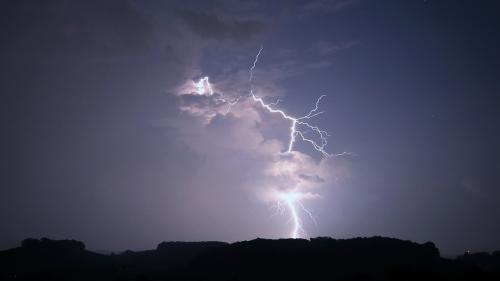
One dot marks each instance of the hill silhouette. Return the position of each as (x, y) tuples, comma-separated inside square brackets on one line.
[(375, 258)]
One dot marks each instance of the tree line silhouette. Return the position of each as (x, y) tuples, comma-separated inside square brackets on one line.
[(323, 258)]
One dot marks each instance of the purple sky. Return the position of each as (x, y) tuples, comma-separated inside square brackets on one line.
[(105, 139)]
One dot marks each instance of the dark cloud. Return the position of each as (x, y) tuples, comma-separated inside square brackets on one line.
[(325, 6), (312, 178), (212, 26), (74, 28)]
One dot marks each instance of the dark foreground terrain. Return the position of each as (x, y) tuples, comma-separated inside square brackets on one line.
[(375, 258)]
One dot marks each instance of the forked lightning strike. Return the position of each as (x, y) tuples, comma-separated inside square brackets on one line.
[(292, 199)]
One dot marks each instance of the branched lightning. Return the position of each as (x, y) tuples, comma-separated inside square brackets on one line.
[(292, 198), (299, 126)]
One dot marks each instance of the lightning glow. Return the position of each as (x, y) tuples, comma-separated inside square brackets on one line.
[(291, 199), (203, 87)]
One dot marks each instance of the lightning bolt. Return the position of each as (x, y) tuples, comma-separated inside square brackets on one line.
[(290, 199)]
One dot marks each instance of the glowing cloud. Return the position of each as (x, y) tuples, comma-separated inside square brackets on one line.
[(289, 175)]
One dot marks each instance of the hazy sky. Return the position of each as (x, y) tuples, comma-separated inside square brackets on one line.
[(105, 139)]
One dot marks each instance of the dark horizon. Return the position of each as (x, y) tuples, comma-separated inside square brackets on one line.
[(375, 258), (112, 135), (322, 258), (106, 251)]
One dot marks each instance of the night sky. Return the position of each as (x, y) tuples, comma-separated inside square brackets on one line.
[(105, 139)]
